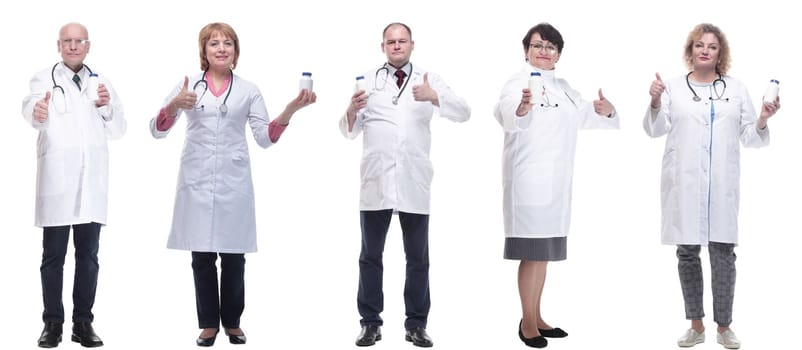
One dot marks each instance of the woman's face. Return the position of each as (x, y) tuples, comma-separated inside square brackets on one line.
[(220, 52), (705, 52), (542, 53)]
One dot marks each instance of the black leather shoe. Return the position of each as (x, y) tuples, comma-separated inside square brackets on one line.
[(235, 339), (553, 333), (535, 342), (82, 332), (207, 341), (418, 337), (51, 335), (369, 335)]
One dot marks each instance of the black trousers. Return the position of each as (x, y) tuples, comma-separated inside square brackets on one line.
[(370, 298), (225, 306), (86, 239)]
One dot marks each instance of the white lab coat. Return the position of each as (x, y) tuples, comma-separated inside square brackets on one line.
[(701, 166), (72, 176), (214, 202), (396, 172), (538, 156)]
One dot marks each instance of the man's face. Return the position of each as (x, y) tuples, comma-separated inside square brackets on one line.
[(73, 44), (397, 45)]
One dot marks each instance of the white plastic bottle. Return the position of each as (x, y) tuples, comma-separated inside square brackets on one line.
[(536, 87), (361, 85), (772, 91), (306, 81), (91, 87)]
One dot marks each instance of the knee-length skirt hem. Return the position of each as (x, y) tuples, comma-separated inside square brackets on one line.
[(536, 249)]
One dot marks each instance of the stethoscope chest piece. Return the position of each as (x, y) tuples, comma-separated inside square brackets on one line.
[(697, 98), (395, 100), (223, 109)]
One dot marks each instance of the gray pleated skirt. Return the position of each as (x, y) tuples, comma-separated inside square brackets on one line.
[(536, 249)]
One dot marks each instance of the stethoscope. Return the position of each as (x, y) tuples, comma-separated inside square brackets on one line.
[(53, 77), (387, 76), (715, 89), (60, 103), (223, 108)]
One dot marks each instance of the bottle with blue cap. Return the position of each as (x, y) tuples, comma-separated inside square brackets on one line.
[(536, 87), (306, 81), (361, 85), (91, 87), (772, 91)]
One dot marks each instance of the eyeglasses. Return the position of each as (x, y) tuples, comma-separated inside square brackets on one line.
[(77, 42), (550, 49)]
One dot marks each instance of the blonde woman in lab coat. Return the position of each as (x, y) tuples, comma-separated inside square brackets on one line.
[(540, 131), (705, 113), (214, 205)]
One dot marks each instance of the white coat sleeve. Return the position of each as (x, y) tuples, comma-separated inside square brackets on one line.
[(112, 113), (356, 129), (656, 120), (750, 135), (507, 104), (39, 86), (258, 119), (452, 107), (588, 116), (156, 133)]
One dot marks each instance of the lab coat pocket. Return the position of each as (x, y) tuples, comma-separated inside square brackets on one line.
[(50, 177), (422, 172), (191, 168), (534, 184), (670, 182), (669, 164), (238, 174), (729, 108), (371, 175)]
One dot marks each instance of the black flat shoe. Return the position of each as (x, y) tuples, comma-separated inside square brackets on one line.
[(553, 333), (535, 342), (205, 342), (51, 335), (369, 335), (418, 337), (83, 333), (235, 339)]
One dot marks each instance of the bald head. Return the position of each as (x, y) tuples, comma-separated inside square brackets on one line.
[(73, 27)]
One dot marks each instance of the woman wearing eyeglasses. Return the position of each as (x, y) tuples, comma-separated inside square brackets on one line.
[(214, 205), (705, 113), (540, 131)]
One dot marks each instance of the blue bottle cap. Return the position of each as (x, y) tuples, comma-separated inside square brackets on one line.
[(306, 74), (360, 77), (535, 74), (775, 81)]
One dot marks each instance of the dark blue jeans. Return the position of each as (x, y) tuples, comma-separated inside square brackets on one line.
[(370, 298), (86, 239), (227, 305)]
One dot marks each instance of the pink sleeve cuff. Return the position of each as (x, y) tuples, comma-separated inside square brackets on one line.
[(274, 130), (163, 122)]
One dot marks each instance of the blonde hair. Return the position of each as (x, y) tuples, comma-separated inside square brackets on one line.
[(723, 64), (206, 34)]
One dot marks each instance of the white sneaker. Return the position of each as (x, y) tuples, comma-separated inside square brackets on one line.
[(728, 339), (691, 338)]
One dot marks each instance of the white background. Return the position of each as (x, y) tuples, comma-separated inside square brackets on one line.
[(618, 289)]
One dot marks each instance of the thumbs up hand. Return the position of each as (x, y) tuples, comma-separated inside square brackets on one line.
[(424, 92), (602, 106), (656, 90), (40, 109), (184, 100)]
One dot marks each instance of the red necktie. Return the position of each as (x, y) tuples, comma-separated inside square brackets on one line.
[(400, 74)]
